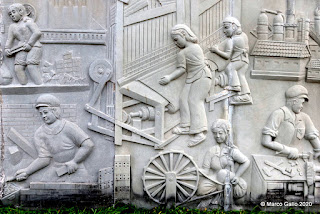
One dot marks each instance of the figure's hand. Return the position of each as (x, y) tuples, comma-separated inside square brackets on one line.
[(72, 166), (235, 180), (8, 52), (164, 80), (214, 49), (293, 153), (27, 47), (21, 175)]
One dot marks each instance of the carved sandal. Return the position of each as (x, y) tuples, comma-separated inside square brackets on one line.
[(181, 130)]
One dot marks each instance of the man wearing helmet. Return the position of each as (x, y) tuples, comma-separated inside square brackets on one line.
[(61, 141), (287, 126)]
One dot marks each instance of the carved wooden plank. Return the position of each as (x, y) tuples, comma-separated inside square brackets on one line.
[(133, 8), (19, 140), (206, 5)]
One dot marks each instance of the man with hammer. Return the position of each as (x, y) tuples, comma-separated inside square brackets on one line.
[(287, 126), (62, 146)]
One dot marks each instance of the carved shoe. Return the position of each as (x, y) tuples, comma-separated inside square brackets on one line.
[(181, 130), (198, 138), (233, 88), (241, 99)]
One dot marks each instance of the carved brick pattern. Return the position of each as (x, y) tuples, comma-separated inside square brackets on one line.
[(26, 120)]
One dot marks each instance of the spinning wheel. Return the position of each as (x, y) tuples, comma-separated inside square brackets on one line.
[(171, 177)]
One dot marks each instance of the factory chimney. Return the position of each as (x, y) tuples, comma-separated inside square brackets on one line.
[(290, 19)]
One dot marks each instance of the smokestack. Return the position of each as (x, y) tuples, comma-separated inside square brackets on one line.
[(300, 30), (290, 11), (263, 23), (307, 30), (290, 19), (278, 22)]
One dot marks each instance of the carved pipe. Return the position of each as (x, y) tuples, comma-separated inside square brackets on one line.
[(300, 29), (263, 23), (290, 11), (290, 19), (307, 29), (278, 29)]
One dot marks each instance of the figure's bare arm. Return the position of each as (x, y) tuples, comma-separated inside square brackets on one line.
[(269, 143), (174, 75), (226, 53), (10, 40), (83, 152), (242, 168), (36, 33), (315, 142), (36, 165), (291, 152), (177, 73)]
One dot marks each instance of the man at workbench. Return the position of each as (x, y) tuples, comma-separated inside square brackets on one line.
[(287, 126), (61, 141)]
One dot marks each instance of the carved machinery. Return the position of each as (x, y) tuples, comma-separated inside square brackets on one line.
[(100, 72), (277, 178)]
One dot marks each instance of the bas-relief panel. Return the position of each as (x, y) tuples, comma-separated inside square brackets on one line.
[(206, 95), (57, 101)]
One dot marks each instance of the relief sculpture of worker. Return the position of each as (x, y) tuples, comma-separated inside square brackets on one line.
[(62, 146), (222, 159), (23, 42), (287, 126), (190, 60), (235, 49)]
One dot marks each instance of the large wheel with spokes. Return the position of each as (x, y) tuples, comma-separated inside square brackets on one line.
[(171, 177)]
